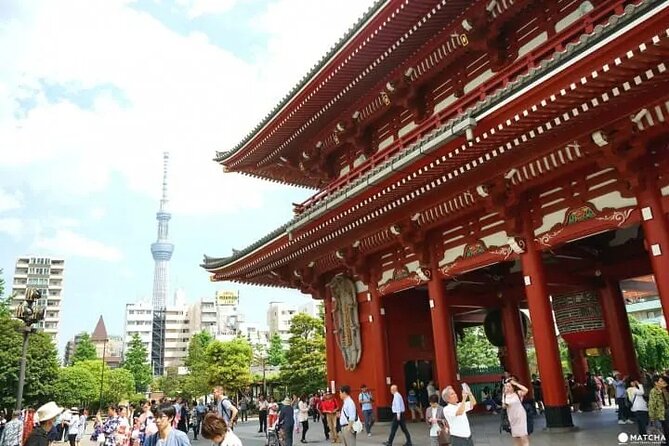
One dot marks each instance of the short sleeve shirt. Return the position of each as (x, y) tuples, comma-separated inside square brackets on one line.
[(458, 424)]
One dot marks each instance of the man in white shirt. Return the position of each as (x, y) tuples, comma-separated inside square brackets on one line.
[(456, 415), (398, 409), (348, 415)]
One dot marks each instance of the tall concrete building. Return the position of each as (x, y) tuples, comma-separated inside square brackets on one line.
[(162, 251), (139, 319), (280, 315), (71, 347), (45, 274)]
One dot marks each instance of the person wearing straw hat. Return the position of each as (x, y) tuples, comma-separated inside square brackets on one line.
[(46, 415), (287, 421)]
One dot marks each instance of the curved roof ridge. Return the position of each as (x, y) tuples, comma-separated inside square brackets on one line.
[(222, 156)]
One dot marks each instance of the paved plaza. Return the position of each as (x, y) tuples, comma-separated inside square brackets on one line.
[(594, 429)]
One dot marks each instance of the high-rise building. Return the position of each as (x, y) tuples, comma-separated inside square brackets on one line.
[(280, 315), (71, 347), (161, 250), (46, 275), (139, 319)]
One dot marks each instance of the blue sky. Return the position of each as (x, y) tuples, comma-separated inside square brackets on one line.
[(93, 91)]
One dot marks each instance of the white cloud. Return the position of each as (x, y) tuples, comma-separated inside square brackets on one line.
[(70, 244), (180, 94), (13, 227), (97, 214), (10, 200), (197, 8)]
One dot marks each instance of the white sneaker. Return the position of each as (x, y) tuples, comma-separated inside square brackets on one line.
[(621, 422), (630, 422), (369, 435)]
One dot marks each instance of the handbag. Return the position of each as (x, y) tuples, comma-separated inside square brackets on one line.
[(504, 424), (444, 436), (101, 438), (356, 426)]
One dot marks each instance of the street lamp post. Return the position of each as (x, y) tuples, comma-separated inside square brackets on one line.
[(29, 314), (102, 373)]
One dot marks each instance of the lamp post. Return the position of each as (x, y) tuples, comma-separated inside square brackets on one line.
[(29, 314), (102, 373)]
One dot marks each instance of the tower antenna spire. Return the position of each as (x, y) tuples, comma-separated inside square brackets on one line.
[(163, 200)]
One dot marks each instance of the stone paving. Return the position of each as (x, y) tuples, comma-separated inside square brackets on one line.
[(593, 428)]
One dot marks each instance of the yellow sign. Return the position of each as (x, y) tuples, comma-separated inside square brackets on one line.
[(227, 297)]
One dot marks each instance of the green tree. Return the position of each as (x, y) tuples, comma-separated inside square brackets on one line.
[(171, 383), (85, 350), (135, 362), (474, 350), (651, 343), (75, 386), (304, 370), (41, 364), (4, 301), (119, 385), (196, 383), (276, 354), (230, 364)]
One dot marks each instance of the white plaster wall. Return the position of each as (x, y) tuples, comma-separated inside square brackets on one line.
[(360, 287), (359, 160), (478, 80), (386, 142), (407, 128), (496, 239), (613, 200), (532, 44), (452, 254), (664, 191), (444, 103)]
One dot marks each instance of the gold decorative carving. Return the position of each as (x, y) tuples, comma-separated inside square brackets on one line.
[(346, 321)]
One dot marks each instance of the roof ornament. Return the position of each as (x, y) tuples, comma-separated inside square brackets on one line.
[(599, 138)]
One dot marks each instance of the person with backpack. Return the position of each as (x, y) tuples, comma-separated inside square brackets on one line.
[(367, 406), (224, 407), (639, 405)]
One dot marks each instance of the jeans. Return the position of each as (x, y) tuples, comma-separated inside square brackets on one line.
[(369, 420), (623, 410), (641, 420), (262, 419), (402, 425), (244, 415), (288, 435)]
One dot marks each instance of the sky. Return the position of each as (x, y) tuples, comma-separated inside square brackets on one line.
[(93, 91)]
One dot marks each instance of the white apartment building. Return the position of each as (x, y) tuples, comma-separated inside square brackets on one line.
[(280, 316), (139, 320), (45, 274)]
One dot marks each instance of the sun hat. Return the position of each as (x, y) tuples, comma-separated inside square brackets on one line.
[(74, 409), (48, 411), (286, 401)]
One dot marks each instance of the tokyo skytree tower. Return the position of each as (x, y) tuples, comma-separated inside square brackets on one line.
[(162, 249)]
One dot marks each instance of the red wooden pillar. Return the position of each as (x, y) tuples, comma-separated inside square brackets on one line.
[(442, 334), (618, 329), (330, 343), (379, 350), (656, 232), (579, 364), (512, 327), (558, 413)]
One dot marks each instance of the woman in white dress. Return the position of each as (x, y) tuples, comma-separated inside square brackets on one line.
[(513, 402)]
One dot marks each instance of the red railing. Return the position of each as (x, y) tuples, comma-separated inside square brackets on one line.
[(503, 77)]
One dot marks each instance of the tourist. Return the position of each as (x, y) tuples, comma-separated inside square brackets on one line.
[(658, 404), (538, 393), (46, 415), (329, 408), (512, 400), (303, 416), (398, 409), (455, 413), (201, 411), (243, 403), (123, 431), (81, 427), (488, 400), (73, 430), (29, 422), (621, 400), (431, 390), (286, 422), (349, 415), (184, 417), (147, 422), (12, 434), (639, 406), (110, 426), (323, 417), (412, 400), (273, 412), (215, 428), (167, 435), (313, 405), (263, 405), (367, 406), (434, 416), (294, 402), (224, 406)]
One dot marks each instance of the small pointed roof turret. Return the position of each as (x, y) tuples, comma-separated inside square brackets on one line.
[(100, 332)]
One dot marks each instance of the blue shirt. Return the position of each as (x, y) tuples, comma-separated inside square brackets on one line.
[(348, 412), (398, 404), (620, 388), (366, 400)]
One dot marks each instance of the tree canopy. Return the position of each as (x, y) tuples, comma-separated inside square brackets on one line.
[(229, 364), (135, 362), (85, 349), (651, 343), (474, 350), (276, 354), (196, 383), (304, 369), (76, 385)]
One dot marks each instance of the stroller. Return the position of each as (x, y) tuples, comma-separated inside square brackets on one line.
[(274, 436)]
